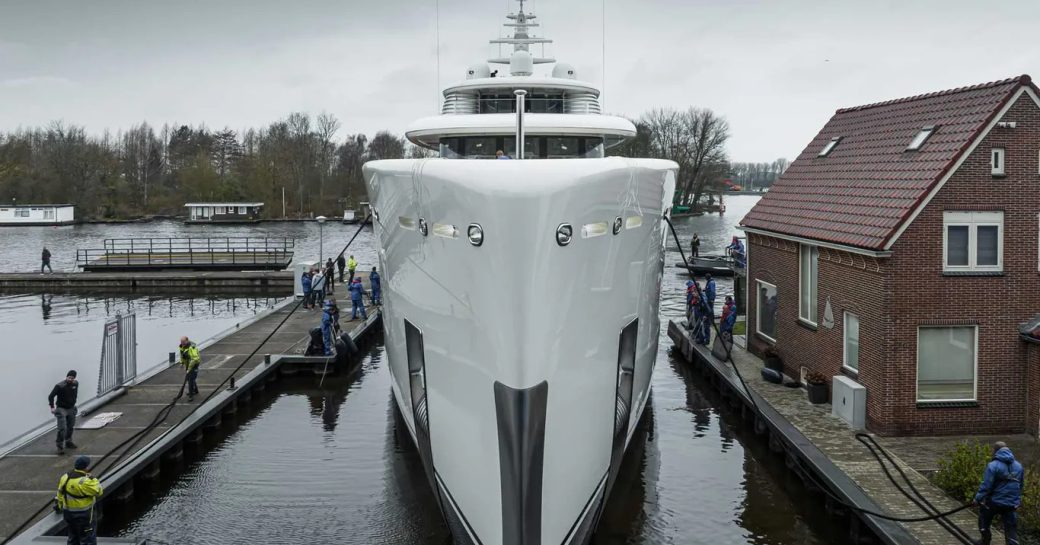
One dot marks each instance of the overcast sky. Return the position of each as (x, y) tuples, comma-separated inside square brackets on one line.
[(775, 69)]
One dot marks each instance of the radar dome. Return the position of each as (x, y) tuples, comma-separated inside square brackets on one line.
[(521, 63), (478, 71), (564, 71)]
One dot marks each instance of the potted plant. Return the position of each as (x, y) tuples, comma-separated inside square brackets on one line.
[(772, 360), (816, 385)]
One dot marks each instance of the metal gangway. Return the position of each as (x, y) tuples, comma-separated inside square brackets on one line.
[(190, 253)]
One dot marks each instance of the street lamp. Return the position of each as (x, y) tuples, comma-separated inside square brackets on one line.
[(321, 239)]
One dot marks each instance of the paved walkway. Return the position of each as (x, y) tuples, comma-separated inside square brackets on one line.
[(837, 441), (29, 475)]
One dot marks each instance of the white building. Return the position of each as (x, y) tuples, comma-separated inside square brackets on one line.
[(37, 214)]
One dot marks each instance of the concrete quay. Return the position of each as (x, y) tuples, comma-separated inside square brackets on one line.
[(29, 472), (823, 450), (212, 282)]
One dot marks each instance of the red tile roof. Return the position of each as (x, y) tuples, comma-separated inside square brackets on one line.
[(868, 186)]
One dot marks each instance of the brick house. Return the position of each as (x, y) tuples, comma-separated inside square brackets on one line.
[(901, 249)]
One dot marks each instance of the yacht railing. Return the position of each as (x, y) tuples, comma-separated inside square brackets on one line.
[(581, 103)]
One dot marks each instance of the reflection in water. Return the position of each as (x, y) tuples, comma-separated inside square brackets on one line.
[(45, 304)]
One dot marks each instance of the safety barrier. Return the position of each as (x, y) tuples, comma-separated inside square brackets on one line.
[(118, 353)]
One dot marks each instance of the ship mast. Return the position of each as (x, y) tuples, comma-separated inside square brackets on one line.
[(521, 39)]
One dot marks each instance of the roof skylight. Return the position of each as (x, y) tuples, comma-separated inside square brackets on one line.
[(830, 146), (920, 138)]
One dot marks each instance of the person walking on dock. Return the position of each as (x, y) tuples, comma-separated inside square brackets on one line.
[(308, 292), (351, 267), (62, 401), (1000, 494), (357, 291), (341, 264), (695, 246), (190, 360), (78, 491), (46, 257), (377, 288)]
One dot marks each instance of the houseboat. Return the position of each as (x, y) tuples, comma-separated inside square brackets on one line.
[(223, 212), (37, 214)]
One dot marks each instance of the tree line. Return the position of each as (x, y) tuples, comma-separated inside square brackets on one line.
[(302, 159), (145, 171)]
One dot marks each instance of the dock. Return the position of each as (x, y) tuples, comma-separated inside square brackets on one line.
[(197, 254), (821, 449), (29, 470), (210, 282)]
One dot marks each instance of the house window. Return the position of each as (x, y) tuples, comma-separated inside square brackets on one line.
[(946, 362), (808, 273), (973, 241), (829, 147), (997, 161), (851, 360), (21, 213), (48, 214), (766, 310), (242, 210), (920, 138)]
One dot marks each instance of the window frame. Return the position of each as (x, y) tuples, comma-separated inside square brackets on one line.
[(994, 168), (814, 282), (758, 309), (845, 342), (972, 220), (975, 368)]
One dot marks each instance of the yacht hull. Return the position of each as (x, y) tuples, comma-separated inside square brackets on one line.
[(521, 366)]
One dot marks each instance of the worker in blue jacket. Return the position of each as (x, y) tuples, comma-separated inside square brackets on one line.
[(729, 318), (1000, 494), (328, 326), (357, 291), (703, 317), (305, 282), (377, 287), (709, 291)]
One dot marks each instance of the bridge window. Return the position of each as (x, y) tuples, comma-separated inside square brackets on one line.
[(535, 147)]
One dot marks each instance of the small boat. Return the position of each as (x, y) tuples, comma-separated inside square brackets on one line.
[(702, 265)]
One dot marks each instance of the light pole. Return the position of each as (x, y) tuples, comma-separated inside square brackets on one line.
[(321, 240)]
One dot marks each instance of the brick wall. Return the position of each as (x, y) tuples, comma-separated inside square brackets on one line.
[(996, 304), (852, 282)]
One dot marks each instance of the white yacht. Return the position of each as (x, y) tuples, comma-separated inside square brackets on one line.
[(521, 296)]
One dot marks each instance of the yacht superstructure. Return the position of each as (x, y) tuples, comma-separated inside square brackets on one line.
[(521, 296)]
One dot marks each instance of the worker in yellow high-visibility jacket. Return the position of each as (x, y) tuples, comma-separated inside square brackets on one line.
[(78, 491), (190, 360)]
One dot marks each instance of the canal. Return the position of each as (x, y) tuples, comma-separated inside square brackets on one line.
[(325, 462)]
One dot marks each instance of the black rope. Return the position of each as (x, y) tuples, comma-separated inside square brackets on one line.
[(825, 489), (163, 413)]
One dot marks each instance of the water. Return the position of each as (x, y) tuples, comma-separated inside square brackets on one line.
[(327, 463)]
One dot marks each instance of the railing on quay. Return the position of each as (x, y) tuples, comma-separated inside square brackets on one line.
[(188, 251)]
